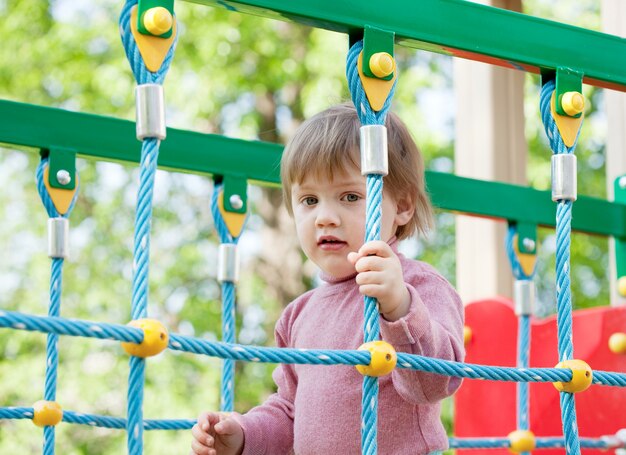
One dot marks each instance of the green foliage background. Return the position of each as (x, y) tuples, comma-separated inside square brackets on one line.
[(232, 74)]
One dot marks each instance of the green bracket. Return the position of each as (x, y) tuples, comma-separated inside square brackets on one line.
[(235, 186), (61, 159), (620, 242), (376, 40), (527, 238), (567, 80), (145, 5)]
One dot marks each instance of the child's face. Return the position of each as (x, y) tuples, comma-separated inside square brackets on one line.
[(330, 219)]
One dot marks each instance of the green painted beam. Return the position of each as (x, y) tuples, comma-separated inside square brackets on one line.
[(523, 204), (464, 29), (111, 139)]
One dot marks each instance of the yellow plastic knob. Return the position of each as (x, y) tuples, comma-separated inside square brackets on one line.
[(621, 286), (617, 343), (47, 413), (521, 441), (158, 20), (383, 361), (582, 375), (382, 64), (467, 335), (155, 338), (573, 103)]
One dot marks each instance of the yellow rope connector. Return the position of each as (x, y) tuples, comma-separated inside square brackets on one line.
[(582, 375), (47, 413), (155, 338), (521, 441), (383, 361), (467, 335), (382, 64), (617, 343), (573, 103), (158, 20)]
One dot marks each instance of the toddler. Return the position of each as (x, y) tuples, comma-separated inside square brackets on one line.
[(317, 409)]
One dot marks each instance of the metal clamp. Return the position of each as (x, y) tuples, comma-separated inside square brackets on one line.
[(564, 184), (58, 238), (150, 111), (374, 158), (228, 263), (524, 297)]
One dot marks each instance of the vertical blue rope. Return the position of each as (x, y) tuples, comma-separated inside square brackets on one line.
[(227, 400), (373, 214), (523, 335), (143, 217), (523, 354), (54, 308), (563, 290)]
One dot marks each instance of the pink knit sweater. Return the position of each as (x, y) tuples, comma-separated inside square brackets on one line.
[(317, 409)]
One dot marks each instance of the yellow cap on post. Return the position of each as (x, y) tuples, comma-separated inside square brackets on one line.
[(467, 335), (382, 64), (158, 20), (573, 103), (617, 343)]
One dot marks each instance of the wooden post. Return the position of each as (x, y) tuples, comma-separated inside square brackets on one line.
[(490, 145), (614, 22)]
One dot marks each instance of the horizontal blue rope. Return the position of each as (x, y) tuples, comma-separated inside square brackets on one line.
[(186, 424), (540, 443), (61, 326), (94, 420)]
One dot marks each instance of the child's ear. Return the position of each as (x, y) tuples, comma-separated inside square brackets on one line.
[(405, 208)]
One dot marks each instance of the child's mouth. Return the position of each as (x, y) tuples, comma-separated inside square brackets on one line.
[(331, 244)]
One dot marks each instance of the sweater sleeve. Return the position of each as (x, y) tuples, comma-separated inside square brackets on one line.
[(433, 327), (268, 428)]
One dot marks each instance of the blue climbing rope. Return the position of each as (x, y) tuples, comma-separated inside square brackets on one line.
[(143, 217), (373, 214), (563, 289), (227, 400), (101, 330), (523, 333), (54, 306)]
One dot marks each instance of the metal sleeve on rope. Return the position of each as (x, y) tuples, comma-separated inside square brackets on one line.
[(150, 111), (564, 182), (524, 297), (228, 263), (58, 238), (374, 156)]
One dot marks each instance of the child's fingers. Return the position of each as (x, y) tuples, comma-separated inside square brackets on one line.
[(376, 247), (199, 449), (370, 264), (227, 427), (199, 434), (353, 257), (213, 418)]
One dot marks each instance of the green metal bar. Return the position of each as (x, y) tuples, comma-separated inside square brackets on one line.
[(619, 186), (464, 29), (523, 204), (112, 139)]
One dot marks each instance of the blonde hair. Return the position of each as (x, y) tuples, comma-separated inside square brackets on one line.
[(327, 144)]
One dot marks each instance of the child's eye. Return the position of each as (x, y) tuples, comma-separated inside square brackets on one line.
[(309, 200), (351, 197)]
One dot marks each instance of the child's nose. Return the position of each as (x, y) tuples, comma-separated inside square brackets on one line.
[(326, 216)]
